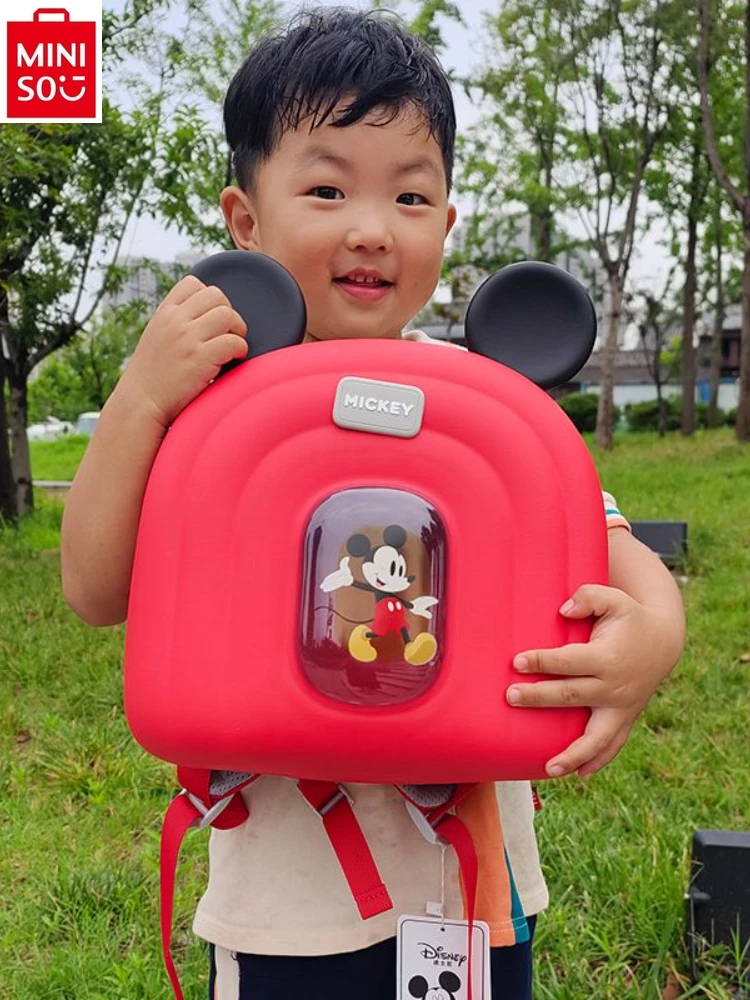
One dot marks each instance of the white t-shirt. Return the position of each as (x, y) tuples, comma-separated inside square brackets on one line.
[(276, 888)]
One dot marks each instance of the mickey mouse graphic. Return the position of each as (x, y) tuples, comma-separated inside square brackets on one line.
[(449, 986), (384, 570)]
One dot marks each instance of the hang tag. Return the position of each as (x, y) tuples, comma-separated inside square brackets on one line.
[(432, 959)]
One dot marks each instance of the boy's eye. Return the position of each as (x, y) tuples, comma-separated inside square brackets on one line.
[(327, 193), (412, 199)]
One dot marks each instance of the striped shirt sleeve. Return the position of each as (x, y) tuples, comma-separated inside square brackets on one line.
[(614, 518)]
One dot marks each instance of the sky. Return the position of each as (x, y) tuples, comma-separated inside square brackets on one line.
[(463, 53)]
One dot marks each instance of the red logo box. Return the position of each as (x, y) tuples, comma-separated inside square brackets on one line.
[(52, 67)]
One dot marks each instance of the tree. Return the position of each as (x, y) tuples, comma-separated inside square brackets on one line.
[(656, 320), (722, 59), (68, 193), (8, 505), (621, 96), (74, 196), (722, 280), (511, 154), (580, 102), (678, 183), (82, 375)]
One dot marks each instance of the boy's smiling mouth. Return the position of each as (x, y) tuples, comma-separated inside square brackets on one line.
[(364, 283)]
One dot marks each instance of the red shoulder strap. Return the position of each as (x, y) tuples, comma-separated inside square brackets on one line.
[(194, 806), (334, 806)]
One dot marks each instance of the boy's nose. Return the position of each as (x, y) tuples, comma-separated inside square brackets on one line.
[(372, 237)]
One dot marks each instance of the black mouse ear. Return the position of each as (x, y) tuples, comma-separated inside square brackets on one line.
[(418, 986), (534, 318), (449, 981), (394, 535), (263, 292), (358, 546)]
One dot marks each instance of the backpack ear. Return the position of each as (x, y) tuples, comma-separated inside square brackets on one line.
[(263, 292), (534, 318)]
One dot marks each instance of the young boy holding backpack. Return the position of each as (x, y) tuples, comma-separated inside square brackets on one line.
[(342, 132)]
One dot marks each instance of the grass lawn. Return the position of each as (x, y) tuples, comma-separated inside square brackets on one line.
[(57, 459), (80, 804)]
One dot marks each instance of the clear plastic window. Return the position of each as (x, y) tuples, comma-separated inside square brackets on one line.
[(373, 594)]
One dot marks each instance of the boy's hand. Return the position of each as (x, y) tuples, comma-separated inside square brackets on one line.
[(630, 651), (191, 335)]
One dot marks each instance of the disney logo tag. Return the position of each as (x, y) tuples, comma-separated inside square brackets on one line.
[(432, 952)]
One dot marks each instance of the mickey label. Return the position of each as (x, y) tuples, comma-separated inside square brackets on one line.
[(364, 404), (433, 959)]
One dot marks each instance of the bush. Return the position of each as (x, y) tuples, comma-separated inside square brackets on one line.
[(645, 416), (731, 417), (581, 407)]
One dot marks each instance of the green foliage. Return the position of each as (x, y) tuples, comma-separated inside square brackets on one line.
[(582, 407), (81, 376), (424, 22), (68, 192), (645, 416), (56, 392), (510, 159)]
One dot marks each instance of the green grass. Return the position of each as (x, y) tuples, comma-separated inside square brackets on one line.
[(80, 804), (57, 459)]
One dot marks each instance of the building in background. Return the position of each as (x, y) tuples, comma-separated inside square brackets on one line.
[(149, 280)]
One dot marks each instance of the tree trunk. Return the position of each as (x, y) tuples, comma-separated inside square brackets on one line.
[(715, 369), (661, 419), (688, 303), (605, 412), (714, 377), (8, 507), (544, 251), (743, 410), (20, 458), (688, 346)]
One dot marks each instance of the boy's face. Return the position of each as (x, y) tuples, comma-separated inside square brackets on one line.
[(337, 204)]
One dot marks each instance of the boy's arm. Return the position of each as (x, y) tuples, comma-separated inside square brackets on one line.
[(637, 639), (190, 336), (103, 508)]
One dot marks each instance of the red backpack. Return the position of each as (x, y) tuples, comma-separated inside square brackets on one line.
[(341, 548)]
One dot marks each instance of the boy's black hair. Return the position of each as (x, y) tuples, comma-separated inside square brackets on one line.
[(327, 56)]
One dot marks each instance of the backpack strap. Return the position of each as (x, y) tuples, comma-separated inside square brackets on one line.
[(208, 798), (430, 809), (333, 804)]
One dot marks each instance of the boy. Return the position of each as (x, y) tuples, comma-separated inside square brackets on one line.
[(342, 133)]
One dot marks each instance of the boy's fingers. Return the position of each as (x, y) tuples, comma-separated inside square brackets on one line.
[(228, 347), (600, 739), (578, 692), (203, 302), (221, 319), (607, 755), (182, 291), (575, 659), (596, 600)]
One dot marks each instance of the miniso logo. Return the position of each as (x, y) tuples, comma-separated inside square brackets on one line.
[(51, 60), (364, 404)]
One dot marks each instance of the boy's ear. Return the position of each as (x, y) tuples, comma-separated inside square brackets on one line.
[(452, 215), (241, 218)]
